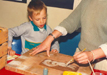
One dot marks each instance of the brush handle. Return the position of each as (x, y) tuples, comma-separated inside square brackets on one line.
[(72, 60), (91, 67)]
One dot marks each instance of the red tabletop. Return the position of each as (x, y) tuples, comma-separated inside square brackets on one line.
[(7, 72), (99, 72)]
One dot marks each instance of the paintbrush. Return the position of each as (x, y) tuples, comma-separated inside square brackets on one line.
[(91, 67), (72, 60)]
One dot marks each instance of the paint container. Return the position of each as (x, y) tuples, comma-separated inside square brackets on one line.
[(45, 71), (71, 73), (98, 73)]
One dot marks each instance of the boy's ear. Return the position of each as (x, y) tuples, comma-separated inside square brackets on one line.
[(30, 18)]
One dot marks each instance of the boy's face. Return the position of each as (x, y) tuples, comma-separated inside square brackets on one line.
[(40, 19)]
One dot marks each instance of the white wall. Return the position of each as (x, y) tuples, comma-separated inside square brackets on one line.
[(13, 14)]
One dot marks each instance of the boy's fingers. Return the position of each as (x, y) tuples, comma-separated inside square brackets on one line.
[(12, 53), (56, 51), (8, 53)]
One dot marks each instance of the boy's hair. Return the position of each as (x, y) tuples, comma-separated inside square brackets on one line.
[(35, 6)]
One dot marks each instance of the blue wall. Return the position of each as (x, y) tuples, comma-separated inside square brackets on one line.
[(69, 43)]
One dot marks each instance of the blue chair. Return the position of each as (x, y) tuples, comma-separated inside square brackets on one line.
[(17, 45), (69, 43)]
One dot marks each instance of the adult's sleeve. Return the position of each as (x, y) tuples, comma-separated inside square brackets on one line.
[(104, 48)]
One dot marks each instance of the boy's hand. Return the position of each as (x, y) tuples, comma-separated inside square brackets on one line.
[(10, 52), (54, 50)]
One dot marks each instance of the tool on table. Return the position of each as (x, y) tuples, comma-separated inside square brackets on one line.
[(45, 71), (72, 60)]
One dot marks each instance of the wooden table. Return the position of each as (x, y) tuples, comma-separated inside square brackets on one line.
[(30, 65)]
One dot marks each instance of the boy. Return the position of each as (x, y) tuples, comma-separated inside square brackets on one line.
[(34, 32)]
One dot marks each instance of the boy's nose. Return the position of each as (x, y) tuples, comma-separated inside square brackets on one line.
[(41, 21)]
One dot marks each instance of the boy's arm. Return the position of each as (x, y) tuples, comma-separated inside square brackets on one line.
[(9, 49), (15, 32), (11, 33)]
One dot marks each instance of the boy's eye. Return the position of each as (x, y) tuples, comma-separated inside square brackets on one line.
[(37, 19), (44, 17)]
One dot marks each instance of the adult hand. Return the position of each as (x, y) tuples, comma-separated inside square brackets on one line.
[(44, 46), (83, 57)]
